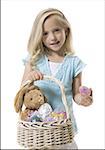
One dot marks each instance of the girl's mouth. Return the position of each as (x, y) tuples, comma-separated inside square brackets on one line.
[(55, 43)]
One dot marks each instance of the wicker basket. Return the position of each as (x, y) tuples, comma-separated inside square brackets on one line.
[(41, 135)]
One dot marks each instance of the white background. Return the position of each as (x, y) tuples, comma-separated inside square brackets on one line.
[(87, 22)]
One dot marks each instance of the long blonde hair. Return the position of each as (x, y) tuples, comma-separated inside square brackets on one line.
[(35, 45)]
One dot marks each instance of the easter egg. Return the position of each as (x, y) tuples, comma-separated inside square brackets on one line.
[(84, 90)]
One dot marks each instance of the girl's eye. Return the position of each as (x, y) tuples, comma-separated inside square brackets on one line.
[(45, 33), (56, 30)]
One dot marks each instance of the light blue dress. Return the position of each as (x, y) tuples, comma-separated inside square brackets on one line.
[(67, 70)]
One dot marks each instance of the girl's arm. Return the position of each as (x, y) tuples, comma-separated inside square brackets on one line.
[(30, 74), (79, 98), (76, 84)]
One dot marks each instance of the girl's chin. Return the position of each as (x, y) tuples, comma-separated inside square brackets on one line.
[(56, 49)]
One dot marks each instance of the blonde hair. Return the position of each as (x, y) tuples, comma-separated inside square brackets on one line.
[(35, 46)]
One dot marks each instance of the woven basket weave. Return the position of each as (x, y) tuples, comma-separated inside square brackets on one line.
[(41, 135)]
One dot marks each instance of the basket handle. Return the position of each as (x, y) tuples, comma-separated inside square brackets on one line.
[(64, 100)]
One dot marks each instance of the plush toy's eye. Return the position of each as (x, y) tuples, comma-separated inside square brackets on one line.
[(40, 95), (31, 99)]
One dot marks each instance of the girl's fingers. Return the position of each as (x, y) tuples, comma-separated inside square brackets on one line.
[(35, 75), (40, 75), (87, 101), (86, 104)]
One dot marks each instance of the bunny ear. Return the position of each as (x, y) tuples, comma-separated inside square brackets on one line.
[(19, 98), (45, 99), (16, 105)]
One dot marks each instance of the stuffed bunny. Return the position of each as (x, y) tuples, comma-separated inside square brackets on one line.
[(32, 98)]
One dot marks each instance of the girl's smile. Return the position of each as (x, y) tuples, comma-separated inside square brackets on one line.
[(53, 35)]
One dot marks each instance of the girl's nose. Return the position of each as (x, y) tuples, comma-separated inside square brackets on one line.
[(52, 36)]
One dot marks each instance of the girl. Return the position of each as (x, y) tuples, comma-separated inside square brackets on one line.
[(51, 53)]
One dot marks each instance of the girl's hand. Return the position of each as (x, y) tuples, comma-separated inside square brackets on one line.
[(34, 75), (30, 74), (84, 97)]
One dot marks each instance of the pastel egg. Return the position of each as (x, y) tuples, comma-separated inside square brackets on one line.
[(84, 90)]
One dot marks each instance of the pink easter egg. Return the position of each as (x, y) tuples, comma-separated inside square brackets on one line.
[(84, 90)]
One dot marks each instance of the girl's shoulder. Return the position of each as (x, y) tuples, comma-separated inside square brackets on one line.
[(75, 61), (38, 60), (73, 57)]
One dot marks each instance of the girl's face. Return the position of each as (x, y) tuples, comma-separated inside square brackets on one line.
[(53, 35)]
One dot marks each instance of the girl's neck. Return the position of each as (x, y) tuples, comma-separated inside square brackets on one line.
[(55, 56)]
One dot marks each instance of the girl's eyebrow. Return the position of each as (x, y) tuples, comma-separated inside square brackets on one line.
[(57, 27)]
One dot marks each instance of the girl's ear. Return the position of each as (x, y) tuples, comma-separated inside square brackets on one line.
[(67, 31), (19, 98)]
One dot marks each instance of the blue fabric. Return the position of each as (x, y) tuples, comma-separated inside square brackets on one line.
[(67, 70), (26, 59)]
